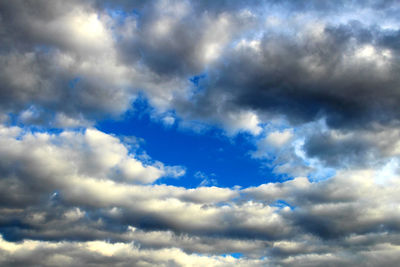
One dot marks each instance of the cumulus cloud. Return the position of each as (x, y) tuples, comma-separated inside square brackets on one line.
[(314, 84), (103, 253), (304, 66), (74, 186)]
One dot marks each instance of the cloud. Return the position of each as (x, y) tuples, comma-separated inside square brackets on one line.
[(73, 186), (91, 153), (102, 253), (122, 254), (307, 78), (314, 84), (306, 67), (61, 59), (360, 148)]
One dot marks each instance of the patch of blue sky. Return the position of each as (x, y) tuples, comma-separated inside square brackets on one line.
[(224, 159), (236, 255), (281, 177), (195, 80), (73, 82), (322, 173), (119, 17), (120, 14), (12, 119), (15, 120), (282, 204), (11, 230), (199, 82), (40, 129)]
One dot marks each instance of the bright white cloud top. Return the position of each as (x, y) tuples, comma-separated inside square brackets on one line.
[(312, 85)]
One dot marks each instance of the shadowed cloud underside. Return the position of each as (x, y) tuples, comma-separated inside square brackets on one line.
[(199, 133)]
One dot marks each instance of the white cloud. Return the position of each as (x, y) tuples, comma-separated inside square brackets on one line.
[(90, 154), (67, 63), (242, 121), (83, 253), (73, 184)]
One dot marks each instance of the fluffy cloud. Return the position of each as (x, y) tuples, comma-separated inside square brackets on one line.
[(73, 186), (304, 66), (315, 85), (102, 253)]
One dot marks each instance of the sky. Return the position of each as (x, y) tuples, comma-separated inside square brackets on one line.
[(199, 133)]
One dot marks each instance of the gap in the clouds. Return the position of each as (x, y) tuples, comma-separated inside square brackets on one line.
[(210, 157), (73, 82), (236, 255), (14, 120), (280, 203), (119, 14), (197, 81)]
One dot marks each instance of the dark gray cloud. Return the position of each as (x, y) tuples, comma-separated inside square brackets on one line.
[(350, 152), (303, 68), (308, 79), (354, 149), (328, 70)]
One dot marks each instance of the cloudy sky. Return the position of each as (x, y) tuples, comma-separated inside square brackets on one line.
[(199, 133)]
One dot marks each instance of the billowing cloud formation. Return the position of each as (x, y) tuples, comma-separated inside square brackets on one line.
[(314, 84), (237, 65), (57, 188)]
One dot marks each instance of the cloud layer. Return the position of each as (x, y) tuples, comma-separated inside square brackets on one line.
[(314, 86), (237, 66), (304, 67), (62, 194)]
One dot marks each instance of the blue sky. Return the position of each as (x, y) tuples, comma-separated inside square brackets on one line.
[(199, 133), (210, 154)]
